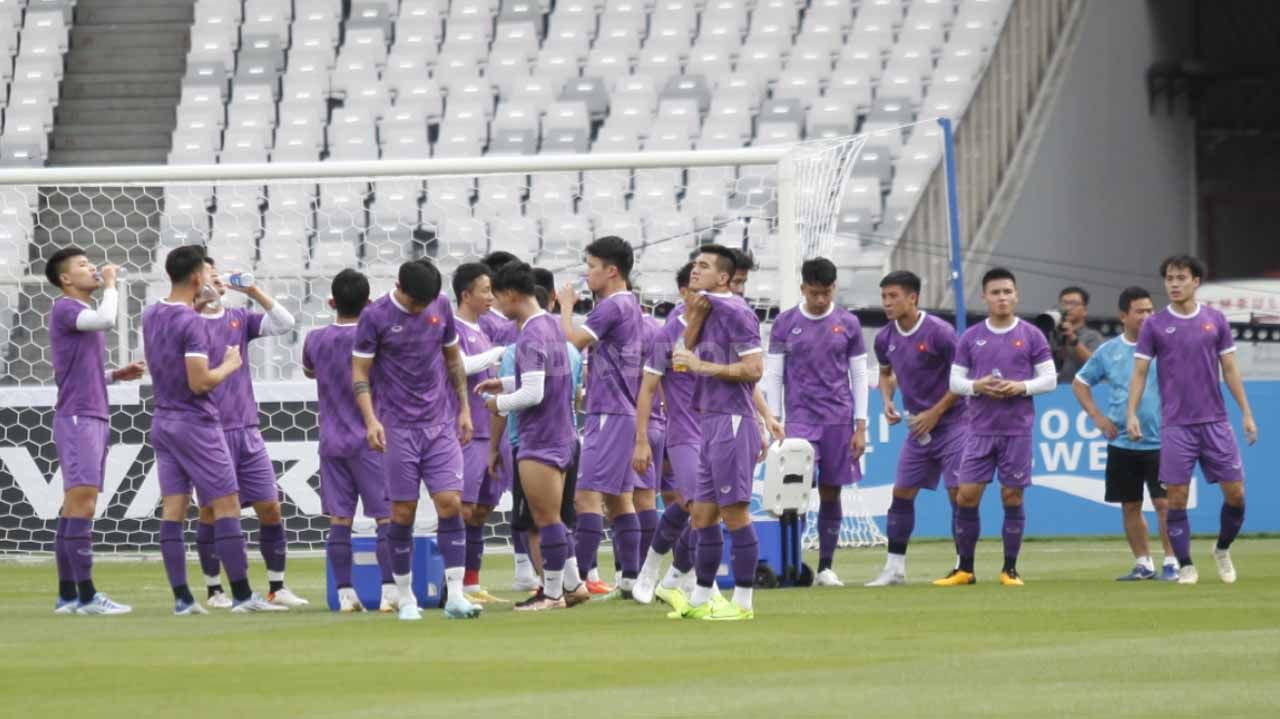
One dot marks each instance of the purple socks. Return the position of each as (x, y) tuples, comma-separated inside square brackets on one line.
[(555, 547), (520, 542), (338, 548), (400, 544), (682, 559), (829, 516), (648, 527), (1230, 520), (230, 543), (475, 549), (744, 555), (206, 550), (710, 549), (66, 577), (968, 527), (673, 521), (901, 522), (384, 553), (1180, 535), (1015, 521), (174, 554), (271, 544), (626, 539), (77, 544), (587, 537), (451, 534)]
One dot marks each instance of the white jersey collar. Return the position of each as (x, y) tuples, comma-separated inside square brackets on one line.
[(805, 313), (1004, 331), (916, 327), (1181, 316)]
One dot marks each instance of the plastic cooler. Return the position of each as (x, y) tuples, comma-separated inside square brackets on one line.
[(366, 578)]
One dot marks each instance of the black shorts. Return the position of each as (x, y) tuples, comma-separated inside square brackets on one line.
[(522, 515), (1128, 470)]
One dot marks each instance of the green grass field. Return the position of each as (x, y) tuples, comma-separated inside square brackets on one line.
[(1071, 643)]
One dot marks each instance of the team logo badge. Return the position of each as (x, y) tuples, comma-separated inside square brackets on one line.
[(396, 328), (473, 339), (893, 348), (981, 343), (796, 331), (1170, 330)]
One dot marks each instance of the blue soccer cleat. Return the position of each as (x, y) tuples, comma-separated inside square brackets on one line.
[(1140, 573), (1169, 573)]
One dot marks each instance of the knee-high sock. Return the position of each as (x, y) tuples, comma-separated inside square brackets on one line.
[(519, 542), (648, 526), (273, 547), (673, 522), (626, 535), (231, 550), (384, 553), (78, 544), (955, 509), (744, 555), (553, 540), (338, 547), (1015, 522), (829, 516), (1230, 520), (968, 528), (451, 533), (475, 553), (901, 522), (683, 558), (400, 544), (174, 554), (66, 577), (587, 537), (710, 550), (1179, 535), (208, 552)]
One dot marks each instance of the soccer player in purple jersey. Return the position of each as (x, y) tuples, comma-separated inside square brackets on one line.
[(190, 446), (817, 360), (238, 408), (605, 478), (681, 442), (349, 469), (481, 489), (406, 353), (541, 394), (497, 327), (648, 481), (1011, 362), (1192, 342), (915, 352), (726, 360), (81, 423)]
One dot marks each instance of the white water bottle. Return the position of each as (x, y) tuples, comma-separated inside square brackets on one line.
[(241, 280), (922, 439)]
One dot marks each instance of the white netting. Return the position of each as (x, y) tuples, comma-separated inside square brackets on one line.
[(295, 235)]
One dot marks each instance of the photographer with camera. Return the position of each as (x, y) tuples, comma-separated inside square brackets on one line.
[(1071, 341)]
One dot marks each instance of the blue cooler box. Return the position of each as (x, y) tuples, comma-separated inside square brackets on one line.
[(769, 533), (366, 578)]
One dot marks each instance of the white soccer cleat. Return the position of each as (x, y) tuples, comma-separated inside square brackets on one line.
[(410, 613), (285, 598), (643, 590), (188, 609), (1188, 575), (461, 608), (256, 603), (390, 599), (887, 578), (525, 583), (219, 600), (827, 578), (103, 605), (66, 606), (1226, 569), (348, 601)]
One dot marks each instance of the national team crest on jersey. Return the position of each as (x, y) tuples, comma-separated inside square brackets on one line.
[(838, 329), (1208, 326), (433, 319), (922, 347), (1018, 343), (235, 324)]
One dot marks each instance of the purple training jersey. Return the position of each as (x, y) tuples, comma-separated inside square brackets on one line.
[(731, 331), (921, 361), (79, 362), (677, 387), (236, 327), (1189, 349), (650, 331), (473, 341), (172, 332), (541, 347), (326, 353), (499, 329), (1014, 352), (613, 369), (816, 372), (409, 380)]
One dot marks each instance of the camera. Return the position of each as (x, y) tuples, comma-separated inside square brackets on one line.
[(1049, 322)]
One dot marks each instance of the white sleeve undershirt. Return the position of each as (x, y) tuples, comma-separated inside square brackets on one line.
[(774, 370), (1046, 379), (473, 364), (529, 394), (858, 376), (960, 382), (276, 322), (102, 318)]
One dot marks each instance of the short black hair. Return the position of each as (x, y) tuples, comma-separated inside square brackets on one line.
[(515, 277), (682, 276), (53, 268), (998, 273), (183, 262), (350, 291), (1129, 294), (906, 279), (420, 280), (743, 260), (818, 272), (727, 261), (614, 250), (545, 280), (498, 258), (209, 261), (1182, 262), (542, 296), (1073, 290), (466, 275)]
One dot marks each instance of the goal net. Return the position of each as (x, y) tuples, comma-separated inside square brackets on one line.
[(295, 226)]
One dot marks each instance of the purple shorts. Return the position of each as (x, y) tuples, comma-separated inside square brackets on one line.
[(685, 466), (343, 479), (730, 445), (1212, 444), (832, 456), (650, 479), (557, 457), (82, 450), (983, 455), (422, 455), (608, 441), (255, 476), (919, 465), (192, 456), (478, 486)]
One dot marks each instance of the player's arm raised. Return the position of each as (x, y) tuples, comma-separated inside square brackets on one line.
[(458, 378), (1235, 383), (580, 337), (695, 313), (277, 320)]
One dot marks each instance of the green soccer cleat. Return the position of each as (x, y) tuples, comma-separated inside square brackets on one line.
[(730, 612), (674, 598)]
